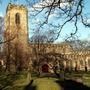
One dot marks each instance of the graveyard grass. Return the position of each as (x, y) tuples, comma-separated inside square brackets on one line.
[(21, 80)]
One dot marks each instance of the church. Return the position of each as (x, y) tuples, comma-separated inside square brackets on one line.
[(18, 50)]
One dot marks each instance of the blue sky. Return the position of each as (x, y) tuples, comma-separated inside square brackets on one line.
[(83, 32)]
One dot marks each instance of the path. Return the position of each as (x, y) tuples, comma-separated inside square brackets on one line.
[(55, 84), (44, 84)]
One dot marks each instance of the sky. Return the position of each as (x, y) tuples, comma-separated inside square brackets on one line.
[(83, 32)]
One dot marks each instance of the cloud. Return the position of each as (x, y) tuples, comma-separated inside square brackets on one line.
[(88, 20), (47, 3), (38, 8), (53, 15)]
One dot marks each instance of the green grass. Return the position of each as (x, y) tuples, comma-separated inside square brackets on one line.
[(86, 79), (46, 84), (13, 81), (85, 76), (21, 80)]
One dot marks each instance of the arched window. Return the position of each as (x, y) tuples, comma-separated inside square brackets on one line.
[(17, 18)]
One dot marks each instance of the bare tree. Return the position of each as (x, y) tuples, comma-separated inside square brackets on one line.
[(65, 11), (16, 57)]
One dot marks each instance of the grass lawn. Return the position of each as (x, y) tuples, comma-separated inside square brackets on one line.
[(20, 81), (46, 84), (13, 81), (81, 75), (86, 79)]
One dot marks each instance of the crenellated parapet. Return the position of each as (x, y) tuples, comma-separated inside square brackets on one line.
[(11, 6)]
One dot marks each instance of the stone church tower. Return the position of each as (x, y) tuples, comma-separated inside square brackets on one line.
[(16, 24), (16, 34)]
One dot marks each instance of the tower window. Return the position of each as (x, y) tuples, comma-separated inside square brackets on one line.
[(17, 18)]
